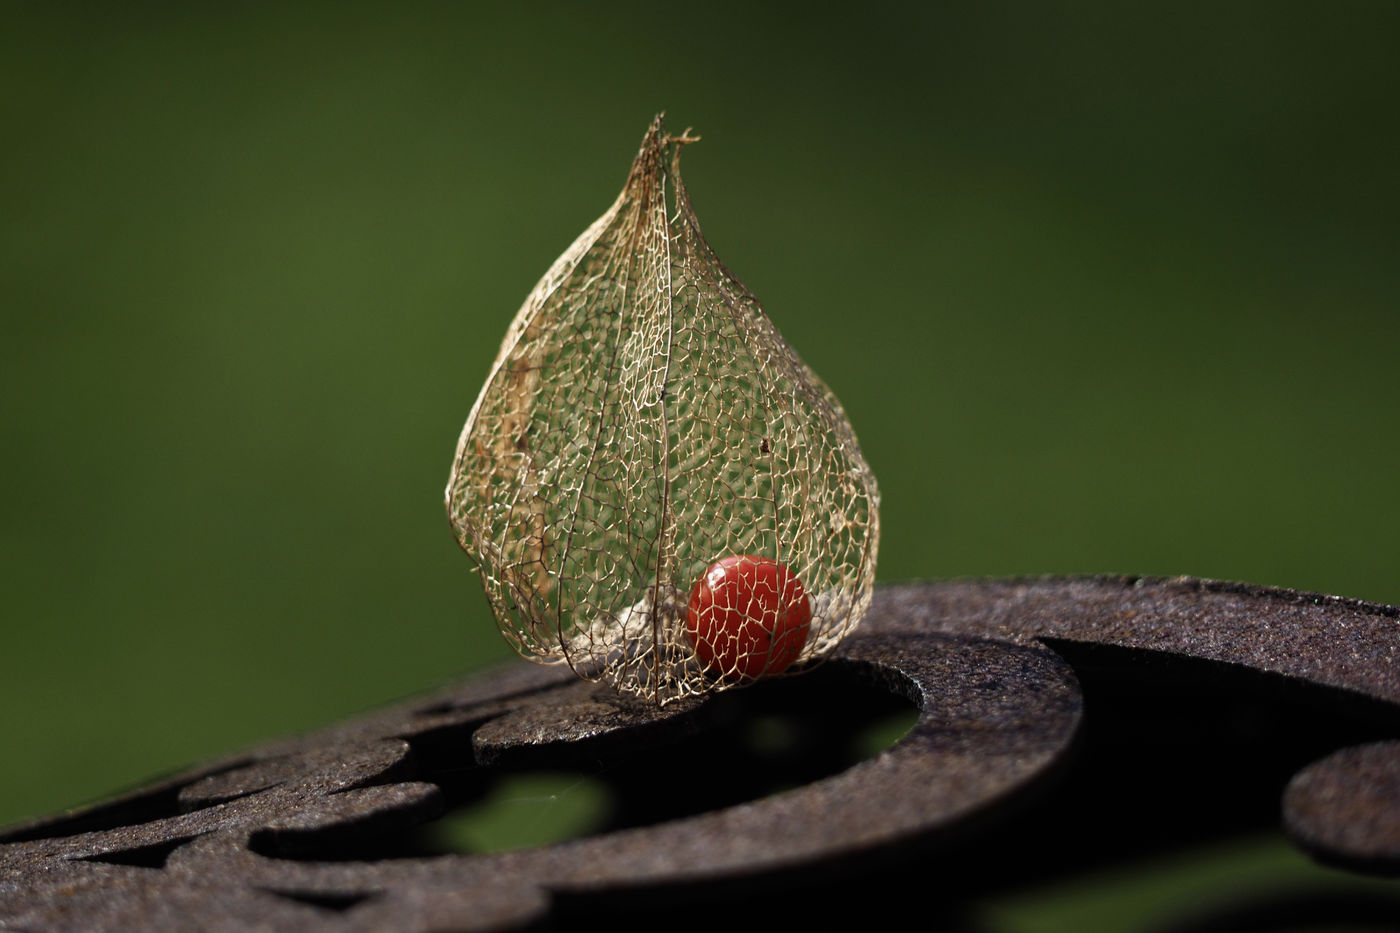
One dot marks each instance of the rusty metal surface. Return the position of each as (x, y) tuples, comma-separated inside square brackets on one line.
[(1062, 723), (1345, 808)]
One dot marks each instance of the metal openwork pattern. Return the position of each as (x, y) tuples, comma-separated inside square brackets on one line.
[(643, 421), (1064, 724)]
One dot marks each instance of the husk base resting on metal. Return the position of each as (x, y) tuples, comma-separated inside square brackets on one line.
[(642, 420)]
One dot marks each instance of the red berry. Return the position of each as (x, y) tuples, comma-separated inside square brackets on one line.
[(748, 617)]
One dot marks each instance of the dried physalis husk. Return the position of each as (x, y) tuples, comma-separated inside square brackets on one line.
[(657, 490)]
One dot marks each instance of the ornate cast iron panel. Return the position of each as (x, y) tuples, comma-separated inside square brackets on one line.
[(1062, 724)]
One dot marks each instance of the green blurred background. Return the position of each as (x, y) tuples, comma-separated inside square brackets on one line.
[(1103, 287)]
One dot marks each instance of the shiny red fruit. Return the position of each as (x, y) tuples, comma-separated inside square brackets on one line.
[(748, 617)]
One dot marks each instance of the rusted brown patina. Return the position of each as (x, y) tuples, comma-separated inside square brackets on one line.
[(1063, 723)]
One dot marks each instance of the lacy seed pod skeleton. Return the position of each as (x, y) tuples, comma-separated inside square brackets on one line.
[(643, 422)]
